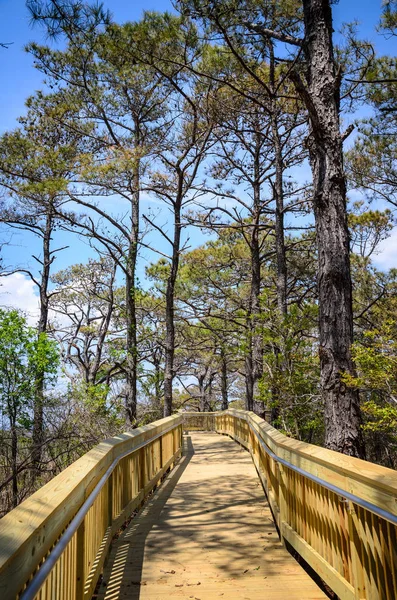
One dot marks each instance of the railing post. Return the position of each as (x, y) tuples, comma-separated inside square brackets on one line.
[(355, 554), (110, 500), (283, 502), (80, 561), (161, 452), (142, 457)]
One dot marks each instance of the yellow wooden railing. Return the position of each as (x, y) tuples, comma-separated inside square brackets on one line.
[(338, 513), (53, 546)]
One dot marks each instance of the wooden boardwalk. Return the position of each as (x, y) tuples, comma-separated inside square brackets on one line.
[(206, 533)]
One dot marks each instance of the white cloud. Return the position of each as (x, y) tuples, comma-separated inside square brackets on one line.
[(19, 291), (386, 256)]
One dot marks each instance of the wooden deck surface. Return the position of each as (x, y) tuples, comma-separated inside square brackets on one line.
[(206, 533)]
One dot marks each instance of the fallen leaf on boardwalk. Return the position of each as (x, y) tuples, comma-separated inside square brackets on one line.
[(246, 570), (257, 568), (179, 585)]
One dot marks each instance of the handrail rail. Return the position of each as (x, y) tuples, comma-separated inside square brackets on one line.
[(53, 545), (380, 512), (49, 563), (337, 512)]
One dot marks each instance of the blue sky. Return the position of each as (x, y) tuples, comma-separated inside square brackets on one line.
[(19, 80)]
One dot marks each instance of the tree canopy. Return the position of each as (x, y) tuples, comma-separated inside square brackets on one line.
[(231, 218)]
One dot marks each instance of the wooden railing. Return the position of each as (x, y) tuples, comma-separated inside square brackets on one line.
[(199, 421), (339, 513), (53, 546)]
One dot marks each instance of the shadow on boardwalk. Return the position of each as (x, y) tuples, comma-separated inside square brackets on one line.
[(206, 533), (133, 553)]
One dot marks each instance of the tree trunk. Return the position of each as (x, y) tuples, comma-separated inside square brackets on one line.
[(105, 322), (281, 261), (342, 411), (14, 466), (278, 191), (131, 361), (255, 359), (130, 297), (158, 380), (256, 333), (225, 400), (208, 390), (38, 410), (169, 311), (201, 387), (249, 379)]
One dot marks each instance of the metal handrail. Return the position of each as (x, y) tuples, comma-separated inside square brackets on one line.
[(39, 578), (380, 512)]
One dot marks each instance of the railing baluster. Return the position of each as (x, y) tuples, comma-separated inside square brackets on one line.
[(283, 505), (80, 561)]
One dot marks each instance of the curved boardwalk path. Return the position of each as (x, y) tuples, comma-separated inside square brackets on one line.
[(206, 533)]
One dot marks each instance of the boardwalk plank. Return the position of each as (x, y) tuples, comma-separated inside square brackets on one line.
[(206, 533)]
